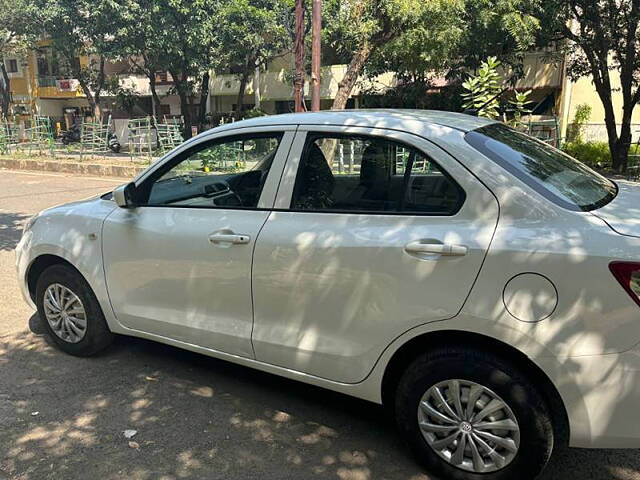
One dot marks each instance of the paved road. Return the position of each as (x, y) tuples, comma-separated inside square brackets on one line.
[(196, 417)]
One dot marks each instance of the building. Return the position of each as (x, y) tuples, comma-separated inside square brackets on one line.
[(38, 87)]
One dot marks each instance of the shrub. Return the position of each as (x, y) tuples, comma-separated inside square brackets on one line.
[(580, 119), (253, 113), (594, 154)]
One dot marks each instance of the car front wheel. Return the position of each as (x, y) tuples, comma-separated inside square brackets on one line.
[(70, 312), (471, 415)]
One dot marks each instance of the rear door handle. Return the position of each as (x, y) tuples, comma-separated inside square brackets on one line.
[(436, 249), (232, 238)]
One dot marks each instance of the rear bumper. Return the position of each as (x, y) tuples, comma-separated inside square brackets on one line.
[(602, 399)]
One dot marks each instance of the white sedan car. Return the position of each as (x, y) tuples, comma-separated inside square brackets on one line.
[(482, 285)]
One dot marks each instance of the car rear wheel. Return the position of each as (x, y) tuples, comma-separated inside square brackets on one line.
[(70, 312), (471, 415)]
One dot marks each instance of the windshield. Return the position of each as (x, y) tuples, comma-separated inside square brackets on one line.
[(552, 173)]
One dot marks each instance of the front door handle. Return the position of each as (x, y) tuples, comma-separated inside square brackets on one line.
[(436, 249), (232, 238)]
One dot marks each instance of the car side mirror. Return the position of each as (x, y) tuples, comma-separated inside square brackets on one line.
[(123, 195)]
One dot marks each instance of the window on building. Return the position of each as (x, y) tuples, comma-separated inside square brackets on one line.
[(12, 65), (43, 66)]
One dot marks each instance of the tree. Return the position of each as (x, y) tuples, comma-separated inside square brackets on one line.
[(136, 43), (79, 30), (602, 39), (16, 18), (361, 27), (417, 40), (504, 29), (182, 41), (249, 34)]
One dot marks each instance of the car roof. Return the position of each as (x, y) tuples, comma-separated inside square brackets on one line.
[(381, 118)]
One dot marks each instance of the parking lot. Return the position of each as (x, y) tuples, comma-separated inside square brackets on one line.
[(63, 417)]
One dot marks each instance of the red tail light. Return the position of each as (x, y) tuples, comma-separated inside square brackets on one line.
[(628, 274)]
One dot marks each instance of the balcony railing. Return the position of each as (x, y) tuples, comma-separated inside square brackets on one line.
[(46, 81)]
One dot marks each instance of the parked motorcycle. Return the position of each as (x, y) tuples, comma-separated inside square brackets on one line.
[(113, 143), (72, 135)]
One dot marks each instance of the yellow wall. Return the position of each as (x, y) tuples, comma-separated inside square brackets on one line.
[(583, 92), (28, 74)]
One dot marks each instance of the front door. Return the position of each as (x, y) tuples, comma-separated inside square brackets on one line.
[(376, 232), (179, 265)]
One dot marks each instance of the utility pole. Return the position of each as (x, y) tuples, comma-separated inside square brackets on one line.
[(298, 81), (316, 28)]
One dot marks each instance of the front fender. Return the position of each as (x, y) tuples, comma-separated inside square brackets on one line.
[(74, 234)]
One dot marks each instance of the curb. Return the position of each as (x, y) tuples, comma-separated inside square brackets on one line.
[(84, 168)]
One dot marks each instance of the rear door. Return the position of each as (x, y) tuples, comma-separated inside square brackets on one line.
[(374, 232)]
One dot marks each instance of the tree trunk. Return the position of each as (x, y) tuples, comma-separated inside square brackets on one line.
[(92, 97), (620, 155), (154, 95), (243, 86), (181, 86), (97, 94), (89, 95), (204, 97), (620, 151), (5, 90), (350, 78), (185, 111)]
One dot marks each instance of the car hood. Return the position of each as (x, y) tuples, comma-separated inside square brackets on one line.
[(622, 214)]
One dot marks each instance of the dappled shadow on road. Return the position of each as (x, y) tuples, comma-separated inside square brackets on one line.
[(196, 417), (199, 417), (11, 229)]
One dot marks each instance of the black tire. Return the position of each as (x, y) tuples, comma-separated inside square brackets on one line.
[(500, 376), (97, 336)]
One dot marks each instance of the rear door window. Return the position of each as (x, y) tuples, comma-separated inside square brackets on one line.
[(371, 174)]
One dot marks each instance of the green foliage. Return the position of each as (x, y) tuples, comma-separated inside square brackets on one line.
[(249, 33), (17, 18), (482, 88), (126, 98), (254, 112), (425, 46), (500, 28), (602, 42), (580, 119), (594, 154), (226, 157), (519, 106), (414, 94)]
